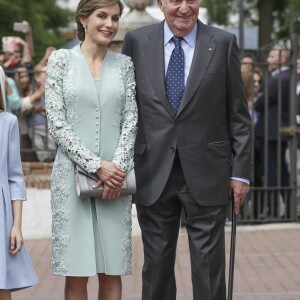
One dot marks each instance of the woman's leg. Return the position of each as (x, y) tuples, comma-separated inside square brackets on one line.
[(76, 288), (5, 295), (110, 287)]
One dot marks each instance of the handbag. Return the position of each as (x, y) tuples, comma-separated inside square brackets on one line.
[(85, 181)]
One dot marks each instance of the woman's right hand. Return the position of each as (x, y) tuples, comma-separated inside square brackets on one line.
[(111, 175), (16, 240)]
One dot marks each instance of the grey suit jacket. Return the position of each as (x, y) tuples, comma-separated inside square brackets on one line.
[(212, 130)]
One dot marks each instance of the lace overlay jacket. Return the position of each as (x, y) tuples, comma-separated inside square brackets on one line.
[(89, 121)]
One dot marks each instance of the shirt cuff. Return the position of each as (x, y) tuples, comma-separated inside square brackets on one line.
[(241, 179)]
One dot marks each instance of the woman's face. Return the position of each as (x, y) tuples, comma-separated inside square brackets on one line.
[(102, 25), (256, 82), (22, 78)]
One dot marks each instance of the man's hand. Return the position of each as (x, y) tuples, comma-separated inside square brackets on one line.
[(239, 190)]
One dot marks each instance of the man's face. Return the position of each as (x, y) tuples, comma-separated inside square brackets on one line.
[(181, 15), (246, 63), (276, 59)]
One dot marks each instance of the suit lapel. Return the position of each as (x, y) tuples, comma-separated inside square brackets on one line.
[(154, 54), (204, 50)]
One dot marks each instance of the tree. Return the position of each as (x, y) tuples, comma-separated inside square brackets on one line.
[(272, 16), (45, 18)]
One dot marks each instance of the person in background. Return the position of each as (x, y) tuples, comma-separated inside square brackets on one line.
[(16, 271), (298, 135), (253, 83), (13, 100), (47, 53), (92, 116), (193, 146), (247, 61), (28, 97), (37, 120), (277, 91), (24, 55)]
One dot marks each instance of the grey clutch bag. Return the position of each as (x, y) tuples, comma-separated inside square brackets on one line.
[(85, 181)]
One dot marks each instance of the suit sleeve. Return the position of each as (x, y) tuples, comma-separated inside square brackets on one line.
[(15, 173), (239, 117), (272, 90), (126, 47)]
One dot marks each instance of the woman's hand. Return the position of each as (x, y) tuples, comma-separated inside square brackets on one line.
[(111, 175), (16, 240), (110, 193)]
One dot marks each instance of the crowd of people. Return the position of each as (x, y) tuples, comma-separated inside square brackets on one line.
[(176, 105), (25, 94), (269, 107)]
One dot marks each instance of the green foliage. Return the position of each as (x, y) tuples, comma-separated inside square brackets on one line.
[(219, 11), (44, 16)]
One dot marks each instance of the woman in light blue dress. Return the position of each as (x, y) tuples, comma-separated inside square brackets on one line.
[(16, 271), (92, 116)]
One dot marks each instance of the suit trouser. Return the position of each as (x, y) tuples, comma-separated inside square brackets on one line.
[(160, 224), (272, 175)]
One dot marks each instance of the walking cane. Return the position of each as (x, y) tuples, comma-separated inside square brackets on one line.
[(232, 251)]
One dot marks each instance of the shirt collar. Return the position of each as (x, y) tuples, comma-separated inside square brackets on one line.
[(276, 72), (190, 38)]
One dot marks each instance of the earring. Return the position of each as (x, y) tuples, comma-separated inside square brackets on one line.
[(84, 27)]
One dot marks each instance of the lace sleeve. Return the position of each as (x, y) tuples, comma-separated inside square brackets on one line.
[(124, 153), (59, 126)]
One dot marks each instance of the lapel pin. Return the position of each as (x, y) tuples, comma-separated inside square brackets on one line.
[(210, 49)]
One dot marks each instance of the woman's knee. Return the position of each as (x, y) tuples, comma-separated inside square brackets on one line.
[(109, 279), (76, 283)]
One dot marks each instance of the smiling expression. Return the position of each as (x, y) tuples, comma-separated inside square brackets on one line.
[(181, 15), (102, 25)]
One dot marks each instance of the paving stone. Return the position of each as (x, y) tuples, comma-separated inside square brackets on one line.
[(267, 267)]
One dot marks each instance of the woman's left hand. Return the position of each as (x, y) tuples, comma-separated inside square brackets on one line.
[(110, 193), (16, 240)]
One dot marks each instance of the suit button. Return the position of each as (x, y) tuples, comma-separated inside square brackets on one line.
[(176, 124), (173, 149)]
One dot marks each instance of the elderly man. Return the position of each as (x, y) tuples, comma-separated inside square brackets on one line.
[(192, 147)]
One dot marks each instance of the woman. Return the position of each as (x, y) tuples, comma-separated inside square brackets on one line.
[(16, 271), (92, 115), (252, 84)]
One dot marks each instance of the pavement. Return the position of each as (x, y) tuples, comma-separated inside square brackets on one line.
[(267, 266)]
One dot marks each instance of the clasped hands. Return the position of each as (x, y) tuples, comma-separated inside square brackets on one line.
[(111, 177)]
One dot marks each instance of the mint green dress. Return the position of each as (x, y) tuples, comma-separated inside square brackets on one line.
[(90, 120)]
